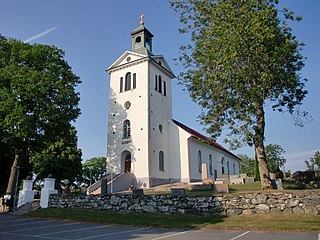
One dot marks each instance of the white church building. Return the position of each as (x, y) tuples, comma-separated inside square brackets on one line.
[(144, 141)]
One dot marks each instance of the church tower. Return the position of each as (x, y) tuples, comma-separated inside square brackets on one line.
[(140, 111)]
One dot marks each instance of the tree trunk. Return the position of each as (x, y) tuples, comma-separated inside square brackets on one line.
[(259, 148), (256, 168), (14, 170)]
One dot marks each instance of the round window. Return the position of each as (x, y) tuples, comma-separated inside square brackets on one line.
[(127, 105)]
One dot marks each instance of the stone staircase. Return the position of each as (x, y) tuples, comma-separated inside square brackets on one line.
[(165, 187), (112, 183), (195, 186), (28, 207)]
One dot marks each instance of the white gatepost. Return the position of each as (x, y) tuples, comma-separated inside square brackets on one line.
[(26, 195), (46, 191)]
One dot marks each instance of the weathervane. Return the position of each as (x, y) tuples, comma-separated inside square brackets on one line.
[(141, 20)]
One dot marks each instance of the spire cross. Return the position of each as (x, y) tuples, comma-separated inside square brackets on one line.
[(141, 20)]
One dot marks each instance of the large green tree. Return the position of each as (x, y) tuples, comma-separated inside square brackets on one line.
[(243, 57), (275, 158), (93, 170), (247, 165), (313, 164), (38, 100), (61, 158)]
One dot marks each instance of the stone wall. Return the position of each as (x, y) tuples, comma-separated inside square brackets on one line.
[(228, 204)]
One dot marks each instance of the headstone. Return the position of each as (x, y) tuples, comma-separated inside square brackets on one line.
[(237, 180), (204, 172), (221, 188), (279, 177), (279, 184), (26, 195), (249, 180), (178, 191), (208, 181), (273, 180), (46, 191), (137, 192)]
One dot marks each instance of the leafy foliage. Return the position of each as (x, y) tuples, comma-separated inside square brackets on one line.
[(37, 98), (247, 165), (313, 164), (62, 159), (275, 158), (243, 57), (93, 170)]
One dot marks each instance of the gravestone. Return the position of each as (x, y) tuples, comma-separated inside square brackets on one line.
[(137, 192), (204, 173), (221, 188), (178, 191)]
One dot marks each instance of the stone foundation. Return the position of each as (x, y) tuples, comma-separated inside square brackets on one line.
[(222, 204)]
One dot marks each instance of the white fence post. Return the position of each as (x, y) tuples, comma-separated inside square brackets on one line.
[(46, 191), (26, 195)]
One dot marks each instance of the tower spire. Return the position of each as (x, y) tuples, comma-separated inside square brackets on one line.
[(142, 39), (141, 20)]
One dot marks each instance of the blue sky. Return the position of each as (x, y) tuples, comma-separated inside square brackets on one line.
[(94, 34)]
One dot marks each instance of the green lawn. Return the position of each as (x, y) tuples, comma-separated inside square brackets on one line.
[(239, 188), (255, 186), (250, 187), (270, 222)]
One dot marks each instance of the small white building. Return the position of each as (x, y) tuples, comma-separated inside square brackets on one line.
[(143, 139)]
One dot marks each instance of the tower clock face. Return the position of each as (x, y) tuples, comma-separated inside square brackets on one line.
[(127, 104)]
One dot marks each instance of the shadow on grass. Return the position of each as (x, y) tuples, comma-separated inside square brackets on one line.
[(135, 219), (269, 222)]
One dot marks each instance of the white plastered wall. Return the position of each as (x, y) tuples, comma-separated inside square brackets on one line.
[(160, 112), (216, 154), (137, 145), (179, 153)]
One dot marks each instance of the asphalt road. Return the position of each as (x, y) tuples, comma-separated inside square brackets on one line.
[(13, 227)]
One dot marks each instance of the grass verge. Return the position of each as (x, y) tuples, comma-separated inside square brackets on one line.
[(268, 222), (255, 186)]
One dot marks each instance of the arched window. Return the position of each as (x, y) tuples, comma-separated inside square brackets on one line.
[(210, 165), (134, 81), (121, 84), (161, 161), (148, 45), (199, 162), (127, 85), (228, 168), (156, 82), (160, 84), (138, 42), (222, 165), (126, 129)]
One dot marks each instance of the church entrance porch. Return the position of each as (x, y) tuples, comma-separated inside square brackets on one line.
[(127, 164), (126, 161)]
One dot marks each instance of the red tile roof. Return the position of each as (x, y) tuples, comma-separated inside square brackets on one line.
[(200, 136)]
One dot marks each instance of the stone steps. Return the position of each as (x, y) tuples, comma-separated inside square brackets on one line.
[(28, 207), (165, 188)]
